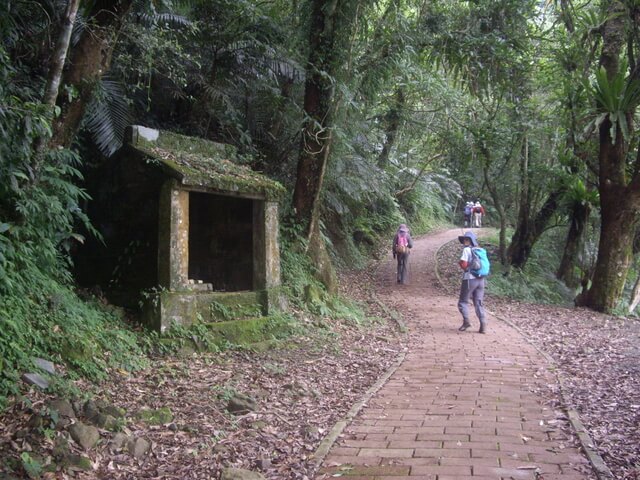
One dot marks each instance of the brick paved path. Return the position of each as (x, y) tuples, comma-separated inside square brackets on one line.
[(461, 405)]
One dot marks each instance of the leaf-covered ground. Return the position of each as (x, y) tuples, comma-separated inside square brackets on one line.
[(309, 382), (302, 388), (598, 360)]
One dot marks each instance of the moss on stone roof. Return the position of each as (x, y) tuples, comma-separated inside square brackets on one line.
[(196, 162)]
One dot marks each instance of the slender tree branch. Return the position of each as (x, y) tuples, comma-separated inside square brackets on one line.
[(411, 186)]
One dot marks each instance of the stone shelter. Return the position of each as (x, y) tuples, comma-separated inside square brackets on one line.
[(193, 231)]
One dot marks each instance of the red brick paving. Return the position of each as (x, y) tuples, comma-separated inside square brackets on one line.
[(462, 405)]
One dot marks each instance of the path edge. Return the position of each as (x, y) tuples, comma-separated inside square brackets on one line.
[(397, 318), (330, 438), (597, 462)]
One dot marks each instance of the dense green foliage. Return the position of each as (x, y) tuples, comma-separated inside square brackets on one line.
[(40, 316), (536, 283), (430, 104)]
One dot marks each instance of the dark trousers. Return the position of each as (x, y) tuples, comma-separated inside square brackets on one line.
[(403, 267)]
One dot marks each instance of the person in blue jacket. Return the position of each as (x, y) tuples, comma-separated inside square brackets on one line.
[(472, 287)]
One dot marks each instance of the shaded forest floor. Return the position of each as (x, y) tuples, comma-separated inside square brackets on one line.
[(302, 387), (598, 360), (305, 385)]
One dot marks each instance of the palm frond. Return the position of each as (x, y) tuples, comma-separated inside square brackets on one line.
[(169, 19), (108, 115)]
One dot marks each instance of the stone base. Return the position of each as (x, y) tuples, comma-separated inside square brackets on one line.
[(187, 307), (250, 331)]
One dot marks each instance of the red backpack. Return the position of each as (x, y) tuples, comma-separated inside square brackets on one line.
[(402, 245)]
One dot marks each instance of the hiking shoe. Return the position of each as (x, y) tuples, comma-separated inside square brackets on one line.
[(464, 326), (483, 328)]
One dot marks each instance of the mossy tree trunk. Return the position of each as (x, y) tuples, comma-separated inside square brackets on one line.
[(316, 130), (619, 181), (330, 22), (89, 59)]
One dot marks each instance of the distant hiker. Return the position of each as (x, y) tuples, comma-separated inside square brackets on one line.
[(476, 267), (468, 211), (478, 213), (402, 243)]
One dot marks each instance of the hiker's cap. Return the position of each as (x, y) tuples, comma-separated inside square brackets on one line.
[(403, 228), (471, 236)]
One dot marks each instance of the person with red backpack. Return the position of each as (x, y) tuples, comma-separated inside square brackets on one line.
[(402, 243), (478, 214)]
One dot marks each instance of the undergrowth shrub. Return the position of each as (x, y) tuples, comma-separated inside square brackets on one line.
[(297, 268), (537, 282), (84, 337), (40, 315), (302, 287)]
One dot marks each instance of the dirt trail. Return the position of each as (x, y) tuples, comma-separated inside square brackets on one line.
[(461, 404)]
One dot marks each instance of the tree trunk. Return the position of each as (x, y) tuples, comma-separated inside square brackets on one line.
[(619, 205), (614, 253), (89, 59), (619, 199), (60, 54), (528, 232), (573, 245), (54, 77), (322, 261), (528, 229), (392, 119), (519, 247), (329, 20), (316, 131)]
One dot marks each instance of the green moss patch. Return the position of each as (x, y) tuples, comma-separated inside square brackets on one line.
[(251, 331), (199, 162), (160, 416)]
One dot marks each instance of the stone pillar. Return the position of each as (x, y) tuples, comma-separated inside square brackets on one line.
[(272, 247), (173, 238), (266, 254)]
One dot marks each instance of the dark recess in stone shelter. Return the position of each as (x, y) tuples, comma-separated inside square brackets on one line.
[(221, 241)]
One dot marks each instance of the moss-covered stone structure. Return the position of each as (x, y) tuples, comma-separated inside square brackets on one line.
[(193, 230)]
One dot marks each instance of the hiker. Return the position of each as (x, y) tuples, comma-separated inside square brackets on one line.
[(478, 213), (472, 285), (468, 210), (402, 243)]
